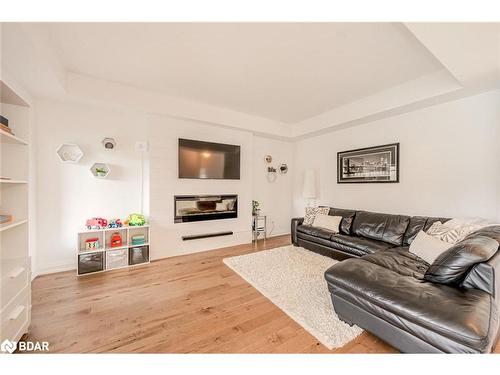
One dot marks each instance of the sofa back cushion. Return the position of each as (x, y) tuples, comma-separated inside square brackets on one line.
[(347, 218), (452, 266), (418, 223), (486, 275), (382, 227)]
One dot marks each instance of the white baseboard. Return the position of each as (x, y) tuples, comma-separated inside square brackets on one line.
[(279, 232), (71, 267), (53, 269)]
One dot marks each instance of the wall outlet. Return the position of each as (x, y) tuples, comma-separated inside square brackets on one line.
[(141, 146)]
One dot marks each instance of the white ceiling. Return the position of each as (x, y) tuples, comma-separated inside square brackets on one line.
[(287, 72)]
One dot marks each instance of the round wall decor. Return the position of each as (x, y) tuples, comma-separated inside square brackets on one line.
[(109, 143), (283, 168)]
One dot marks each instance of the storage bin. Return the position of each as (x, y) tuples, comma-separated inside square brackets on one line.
[(116, 259), (88, 263), (138, 255)]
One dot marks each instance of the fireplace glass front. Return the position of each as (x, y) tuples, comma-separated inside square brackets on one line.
[(190, 208)]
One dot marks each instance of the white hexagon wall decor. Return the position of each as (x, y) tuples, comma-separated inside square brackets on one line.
[(100, 170), (69, 153)]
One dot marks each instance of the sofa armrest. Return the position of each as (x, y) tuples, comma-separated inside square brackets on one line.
[(296, 221)]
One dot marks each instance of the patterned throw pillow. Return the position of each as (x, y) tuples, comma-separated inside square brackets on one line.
[(311, 213), (452, 231)]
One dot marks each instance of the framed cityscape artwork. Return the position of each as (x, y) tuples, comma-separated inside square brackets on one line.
[(369, 165)]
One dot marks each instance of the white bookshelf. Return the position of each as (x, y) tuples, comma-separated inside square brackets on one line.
[(106, 257), (15, 288)]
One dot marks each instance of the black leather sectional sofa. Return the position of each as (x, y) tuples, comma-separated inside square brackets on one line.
[(383, 288)]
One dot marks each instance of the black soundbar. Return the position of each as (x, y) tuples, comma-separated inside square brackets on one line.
[(206, 235)]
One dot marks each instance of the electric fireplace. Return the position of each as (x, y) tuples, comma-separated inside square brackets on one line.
[(188, 208)]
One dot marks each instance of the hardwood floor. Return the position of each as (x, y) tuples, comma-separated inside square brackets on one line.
[(185, 304)]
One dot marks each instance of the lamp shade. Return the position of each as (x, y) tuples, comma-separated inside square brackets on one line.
[(309, 189)]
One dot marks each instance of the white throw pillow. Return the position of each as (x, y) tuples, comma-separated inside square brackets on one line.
[(311, 213), (327, 222), (428, 247)]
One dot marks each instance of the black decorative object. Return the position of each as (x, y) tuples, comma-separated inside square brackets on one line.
[(283, 168), (369, 165)]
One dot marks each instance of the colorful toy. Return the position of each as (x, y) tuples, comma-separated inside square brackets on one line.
[(134, 220), (115, 223), (116, 240), (97, 223), (92, 244)]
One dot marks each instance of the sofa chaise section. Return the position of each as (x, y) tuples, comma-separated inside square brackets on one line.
[(385, 293)]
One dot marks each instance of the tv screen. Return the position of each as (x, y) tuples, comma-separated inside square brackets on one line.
[(198, 159)]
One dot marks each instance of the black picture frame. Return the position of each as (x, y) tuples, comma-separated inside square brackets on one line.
[(359, 165)]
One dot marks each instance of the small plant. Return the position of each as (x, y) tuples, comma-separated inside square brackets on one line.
[(101, 172), (255, 207)]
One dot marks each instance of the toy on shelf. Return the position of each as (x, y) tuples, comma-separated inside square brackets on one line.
[(116, 240), (92, 244), (115, 223), (97, 223), (138, 239), (135, 220), (5, 218)]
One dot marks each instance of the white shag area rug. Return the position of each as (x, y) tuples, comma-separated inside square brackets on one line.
[(292, 278)]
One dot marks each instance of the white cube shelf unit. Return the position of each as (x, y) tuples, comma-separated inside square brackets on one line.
[(106, 256)]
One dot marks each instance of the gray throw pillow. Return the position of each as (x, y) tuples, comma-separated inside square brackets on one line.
[(452, 266)]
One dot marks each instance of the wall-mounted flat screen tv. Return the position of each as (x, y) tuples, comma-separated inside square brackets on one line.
[(207, 160)]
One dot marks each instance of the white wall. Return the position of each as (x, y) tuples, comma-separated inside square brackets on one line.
[(275, 198), (68, 194), (449, 166), (449, 162)]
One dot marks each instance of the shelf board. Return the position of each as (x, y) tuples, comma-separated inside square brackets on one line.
[(115, 229), (81, 252), (114, 269), (143, 244), (108, 248), (12, 224), (6, 137), (13, 181), (137, 226), (9, 96)]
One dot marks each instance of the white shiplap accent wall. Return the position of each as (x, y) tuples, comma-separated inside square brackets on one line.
[(166, 236)]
